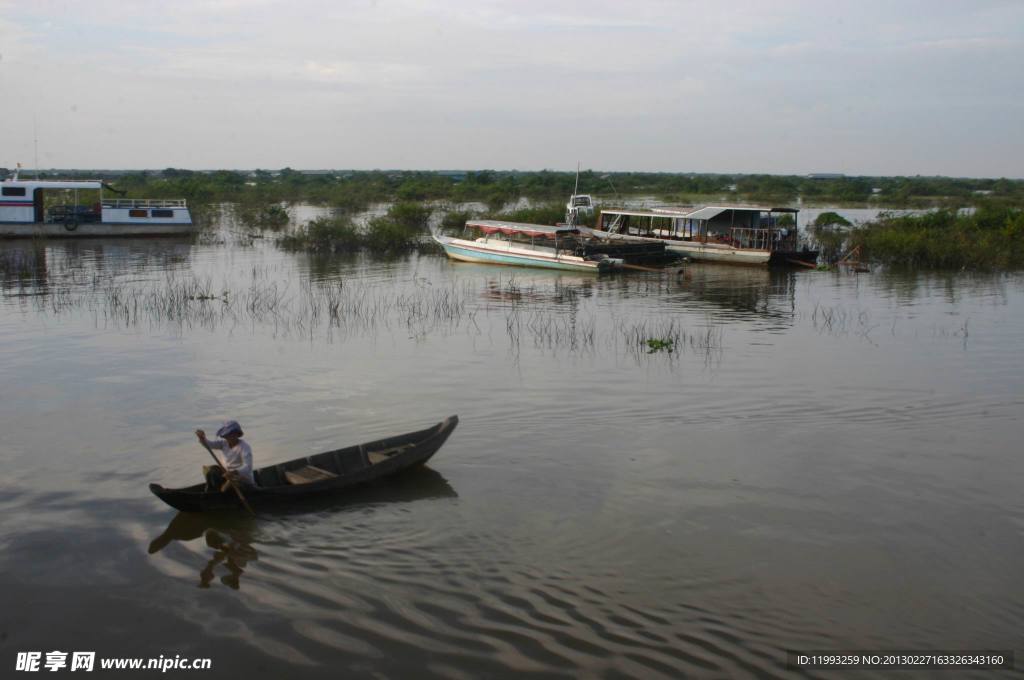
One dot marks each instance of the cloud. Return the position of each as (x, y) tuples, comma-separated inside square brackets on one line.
[(493, 83), (963, 44), (362, 73)]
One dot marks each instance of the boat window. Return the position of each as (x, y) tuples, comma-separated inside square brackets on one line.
[(161, 213), (138, 213), (14, 191)]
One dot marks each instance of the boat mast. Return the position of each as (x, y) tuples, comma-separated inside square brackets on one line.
[(570, 213)]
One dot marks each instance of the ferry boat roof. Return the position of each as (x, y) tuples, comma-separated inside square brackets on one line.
[(705, 213), (510, 228), (53, 183)]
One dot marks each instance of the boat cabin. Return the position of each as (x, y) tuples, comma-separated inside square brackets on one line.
[(559, 239), (578, 205), (739, 227)]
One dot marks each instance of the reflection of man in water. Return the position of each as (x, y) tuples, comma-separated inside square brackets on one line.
[(235, 554)]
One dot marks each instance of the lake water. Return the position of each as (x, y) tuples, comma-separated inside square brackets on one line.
[(824, 461)]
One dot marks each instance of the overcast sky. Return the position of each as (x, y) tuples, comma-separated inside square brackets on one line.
[(778, 86)]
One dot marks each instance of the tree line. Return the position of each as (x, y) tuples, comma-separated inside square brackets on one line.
[(356, 189)]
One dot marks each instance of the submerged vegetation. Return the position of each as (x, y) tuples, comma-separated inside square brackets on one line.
[(554, 318)]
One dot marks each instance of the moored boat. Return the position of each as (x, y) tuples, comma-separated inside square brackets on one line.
[(32, 208), (319, 475), (731, 234), (526, 245)]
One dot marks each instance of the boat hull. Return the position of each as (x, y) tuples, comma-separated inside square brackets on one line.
[(695, 250), (715, 253), (91, 229), (352, 467), (789, 258), (468, 251)]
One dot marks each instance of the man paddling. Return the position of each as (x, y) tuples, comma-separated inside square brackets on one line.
[(237, 457)]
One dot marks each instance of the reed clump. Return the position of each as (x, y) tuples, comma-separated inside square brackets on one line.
[(551, 330), (668, 336), (19, 265)]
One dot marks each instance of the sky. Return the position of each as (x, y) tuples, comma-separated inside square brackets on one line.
[(894, 87)]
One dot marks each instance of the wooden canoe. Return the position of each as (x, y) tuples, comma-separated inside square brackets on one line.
[(321, 474)]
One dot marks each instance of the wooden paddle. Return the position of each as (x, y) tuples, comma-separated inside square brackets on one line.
[(228, 477)]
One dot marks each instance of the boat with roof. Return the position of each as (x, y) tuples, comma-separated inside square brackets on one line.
[(47, 207), (731, 234), (526, 245)]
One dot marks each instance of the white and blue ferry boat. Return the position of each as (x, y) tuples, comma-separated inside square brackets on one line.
[(42, 207)]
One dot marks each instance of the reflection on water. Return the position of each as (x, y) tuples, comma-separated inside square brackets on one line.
[(420, 483), (231, 545), (232, 537), (826, 461), (235, 553)]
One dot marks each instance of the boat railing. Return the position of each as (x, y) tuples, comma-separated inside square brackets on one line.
[(144, 203), (763, 239)]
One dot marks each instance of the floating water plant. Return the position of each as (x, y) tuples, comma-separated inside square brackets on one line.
[(659, 345)]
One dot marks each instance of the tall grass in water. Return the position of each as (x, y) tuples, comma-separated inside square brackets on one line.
[(990, 237), (649, 336), (21, 265)]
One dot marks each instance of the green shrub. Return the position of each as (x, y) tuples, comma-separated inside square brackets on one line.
[(410, 216), (326, 234), (265, 216), (386, 234), (544, 213), (988, 238), (831, 219), (402, 228), (454, 221)]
